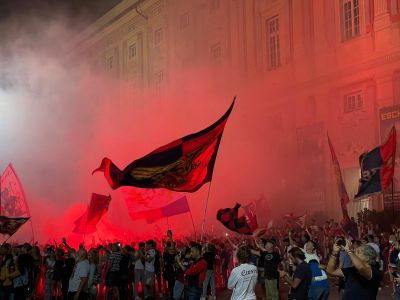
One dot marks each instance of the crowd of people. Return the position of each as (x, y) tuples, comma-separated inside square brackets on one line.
[(290, 262)]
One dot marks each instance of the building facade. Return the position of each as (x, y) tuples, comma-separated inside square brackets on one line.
[(331, 66)]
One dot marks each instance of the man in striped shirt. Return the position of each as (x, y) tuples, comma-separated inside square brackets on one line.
[(113, 270)]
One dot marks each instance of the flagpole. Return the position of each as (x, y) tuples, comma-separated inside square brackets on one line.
[(7, 239), (194, 227), (1, 211), (205, 212)]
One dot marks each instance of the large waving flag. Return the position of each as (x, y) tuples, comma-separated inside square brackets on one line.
[(11, 225), (229, 217), (177, 207), (183, 165), (13, 201), (97, 208), (344, 197), (377, 167)]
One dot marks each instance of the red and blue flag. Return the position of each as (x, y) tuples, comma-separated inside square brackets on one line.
[(377, 168), (183, 165), (245, 224)]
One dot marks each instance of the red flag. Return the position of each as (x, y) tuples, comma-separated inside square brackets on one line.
[(177, 207), (97, 208), (293, 219), (344, 197), (183, 165), (81, 226), (13, 201)]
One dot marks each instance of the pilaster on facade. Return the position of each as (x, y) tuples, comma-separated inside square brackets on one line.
[(382, 25), (381, 14)]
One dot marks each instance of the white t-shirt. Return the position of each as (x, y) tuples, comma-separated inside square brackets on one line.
[(149, 266), (242, 281), (310, 256), (138, 263), (81, 270)]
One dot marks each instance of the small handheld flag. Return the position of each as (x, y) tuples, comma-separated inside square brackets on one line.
[(229, 217), (86, 224)]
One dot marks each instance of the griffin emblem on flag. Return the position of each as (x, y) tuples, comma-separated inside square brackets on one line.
[(377, 168), (183, 165)]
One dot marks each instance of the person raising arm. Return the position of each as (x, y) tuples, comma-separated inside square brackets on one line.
[(362, 279)]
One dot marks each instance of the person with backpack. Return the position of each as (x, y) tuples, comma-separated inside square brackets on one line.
[(20, 281)]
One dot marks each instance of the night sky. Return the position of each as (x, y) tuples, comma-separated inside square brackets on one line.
[(86, 10)]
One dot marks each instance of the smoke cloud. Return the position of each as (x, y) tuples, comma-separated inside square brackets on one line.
[(59, 118)]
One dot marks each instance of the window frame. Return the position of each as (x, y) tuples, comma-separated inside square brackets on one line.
[(216, 46), (159, 82), (110, 62), (184, 17), (358, 95), (158, 36), (273, 57), (355, 30), (132, 46)]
